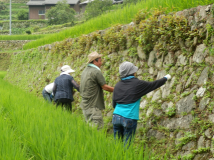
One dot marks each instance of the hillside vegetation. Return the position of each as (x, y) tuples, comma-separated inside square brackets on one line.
[(178, 117), (4, 61), (121, 16), (16, 7)]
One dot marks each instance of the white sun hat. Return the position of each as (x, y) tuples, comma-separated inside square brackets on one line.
[(67, 69)]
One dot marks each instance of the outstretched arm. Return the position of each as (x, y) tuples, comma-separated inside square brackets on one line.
[(108, 88)]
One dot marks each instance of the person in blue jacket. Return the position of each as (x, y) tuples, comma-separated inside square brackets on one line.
[(126, 100), (63, 88)]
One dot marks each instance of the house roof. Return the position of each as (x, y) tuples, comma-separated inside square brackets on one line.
[(35, 3), (114, 1), (44, 2), (86, 2), (55, 1)]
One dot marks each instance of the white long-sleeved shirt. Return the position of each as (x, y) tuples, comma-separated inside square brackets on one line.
[(49, 88)]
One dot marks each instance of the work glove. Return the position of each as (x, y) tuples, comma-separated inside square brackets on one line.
[(167, 76)]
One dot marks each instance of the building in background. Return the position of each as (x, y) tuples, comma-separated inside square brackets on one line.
[(84, 4), (38, 8)]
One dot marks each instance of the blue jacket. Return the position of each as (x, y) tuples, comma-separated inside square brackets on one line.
[(63, 87), (128, 92), (131, 90)]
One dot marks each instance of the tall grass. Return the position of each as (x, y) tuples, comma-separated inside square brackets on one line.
[(21, 37), (10, 145), (33, 129), (122, 16), (2, 74)]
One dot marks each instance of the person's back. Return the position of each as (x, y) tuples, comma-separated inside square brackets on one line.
[(127, 95), (49, 88), (90, 89), (64, 87), (47, 92), (126, 100)]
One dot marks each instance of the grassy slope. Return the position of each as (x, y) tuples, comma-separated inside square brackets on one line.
[(122, 16)]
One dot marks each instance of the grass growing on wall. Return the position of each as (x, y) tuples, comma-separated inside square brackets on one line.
[(122, 16), (33, 129), (4, 61)]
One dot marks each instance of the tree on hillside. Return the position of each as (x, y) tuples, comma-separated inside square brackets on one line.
[(97, 7), (22, 15), (2, 6), (61, 13)]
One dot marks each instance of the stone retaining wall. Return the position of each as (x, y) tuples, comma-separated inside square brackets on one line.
[(12, 44), (4, 25)]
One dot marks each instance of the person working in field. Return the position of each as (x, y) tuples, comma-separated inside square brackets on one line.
[(63, 88), (47, 92), (126, 100), (91, 90)]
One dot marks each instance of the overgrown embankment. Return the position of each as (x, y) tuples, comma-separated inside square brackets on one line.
[(178, 117), (4, 61), (123, 16), (16, 42)]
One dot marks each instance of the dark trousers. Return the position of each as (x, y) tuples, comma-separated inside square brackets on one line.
[(46, 96), (64, 102), (124, 128)]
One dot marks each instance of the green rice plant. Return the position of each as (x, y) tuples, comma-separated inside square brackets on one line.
[(2, 74), (42, 131), (122, 15), (21, 37), (10, 145)]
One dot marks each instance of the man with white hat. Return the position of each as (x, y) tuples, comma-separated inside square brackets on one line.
[(91, 90), (63, 88), (126, 100)]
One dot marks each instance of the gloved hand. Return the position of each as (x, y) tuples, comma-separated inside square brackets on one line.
[(167, 76)]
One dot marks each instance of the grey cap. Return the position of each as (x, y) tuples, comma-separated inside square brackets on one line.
[(127, 68)]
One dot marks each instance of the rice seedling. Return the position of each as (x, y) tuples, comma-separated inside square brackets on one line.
[(2, 74), (10, 145), (35, 129), (21, 37)]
